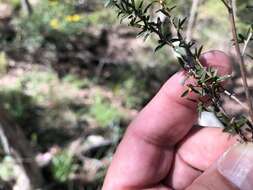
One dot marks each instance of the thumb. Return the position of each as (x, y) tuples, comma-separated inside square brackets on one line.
[(234, 170)]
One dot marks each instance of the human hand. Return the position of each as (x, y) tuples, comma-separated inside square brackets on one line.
[(161, 150)]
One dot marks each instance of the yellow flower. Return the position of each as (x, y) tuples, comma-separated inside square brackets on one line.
[(76, 18), (54, 23), (73, 18), (68, 18)]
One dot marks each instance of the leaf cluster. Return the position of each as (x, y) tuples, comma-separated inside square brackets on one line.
[(170, 31)]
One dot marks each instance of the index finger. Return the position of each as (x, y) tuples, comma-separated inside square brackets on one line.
[(169, 117), (144, 156)]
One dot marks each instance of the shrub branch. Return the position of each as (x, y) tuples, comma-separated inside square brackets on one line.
[(208, 84), (230, 8)]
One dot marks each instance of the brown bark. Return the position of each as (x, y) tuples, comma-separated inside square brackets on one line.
[(19, 144)]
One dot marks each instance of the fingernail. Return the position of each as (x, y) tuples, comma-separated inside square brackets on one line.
[(183, 78), (236, 165)]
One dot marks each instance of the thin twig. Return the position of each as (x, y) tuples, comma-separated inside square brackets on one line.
[(27, 7), (4, 142), (192, 19), (246, 43), (226, 4), (208, 83), (233, 97), (240, 58)]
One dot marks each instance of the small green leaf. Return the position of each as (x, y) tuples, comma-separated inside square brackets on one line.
[(141, 5), (215, 72), (133, 3), (147, 8), (160, 46), (223, 78), (164, 12), (203, 76), (172, 8), (185, 93), (200, 51), (181, 23), (241, 122)]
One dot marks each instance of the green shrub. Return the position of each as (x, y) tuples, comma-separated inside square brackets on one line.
[(63, 166), (6, 168), (103, 112), (76, 82), (50, 19), (102, 17), (38, 85), (17, 103), (128, 90)]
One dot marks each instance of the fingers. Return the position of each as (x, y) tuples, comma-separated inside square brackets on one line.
[(197, 152), (237, 166), (145, 154), (211, 180), (169, 117), (234, 170), (202, 147)]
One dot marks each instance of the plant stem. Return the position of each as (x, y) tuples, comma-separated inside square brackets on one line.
[(192, 19), (226, 4), (27, 7), (246, 43), (233, 97), (240, 59)]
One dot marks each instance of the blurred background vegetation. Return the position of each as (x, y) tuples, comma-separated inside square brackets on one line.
[(72, 77)]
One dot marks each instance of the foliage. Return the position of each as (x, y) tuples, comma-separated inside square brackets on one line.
[(17, 104), (132, 92), (54, 22), (53, 90), (38, 102), (101, 17), (209, 84), (50, 19), (104, 113), (76, 81), (6, 168), (38, 85), (63, 166)]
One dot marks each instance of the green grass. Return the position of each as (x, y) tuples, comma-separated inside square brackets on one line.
[(63, 166), (103, 112), (104, 17), (6, 168), (76, 81)]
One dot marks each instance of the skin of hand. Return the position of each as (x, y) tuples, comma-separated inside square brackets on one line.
[(162, 151)]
